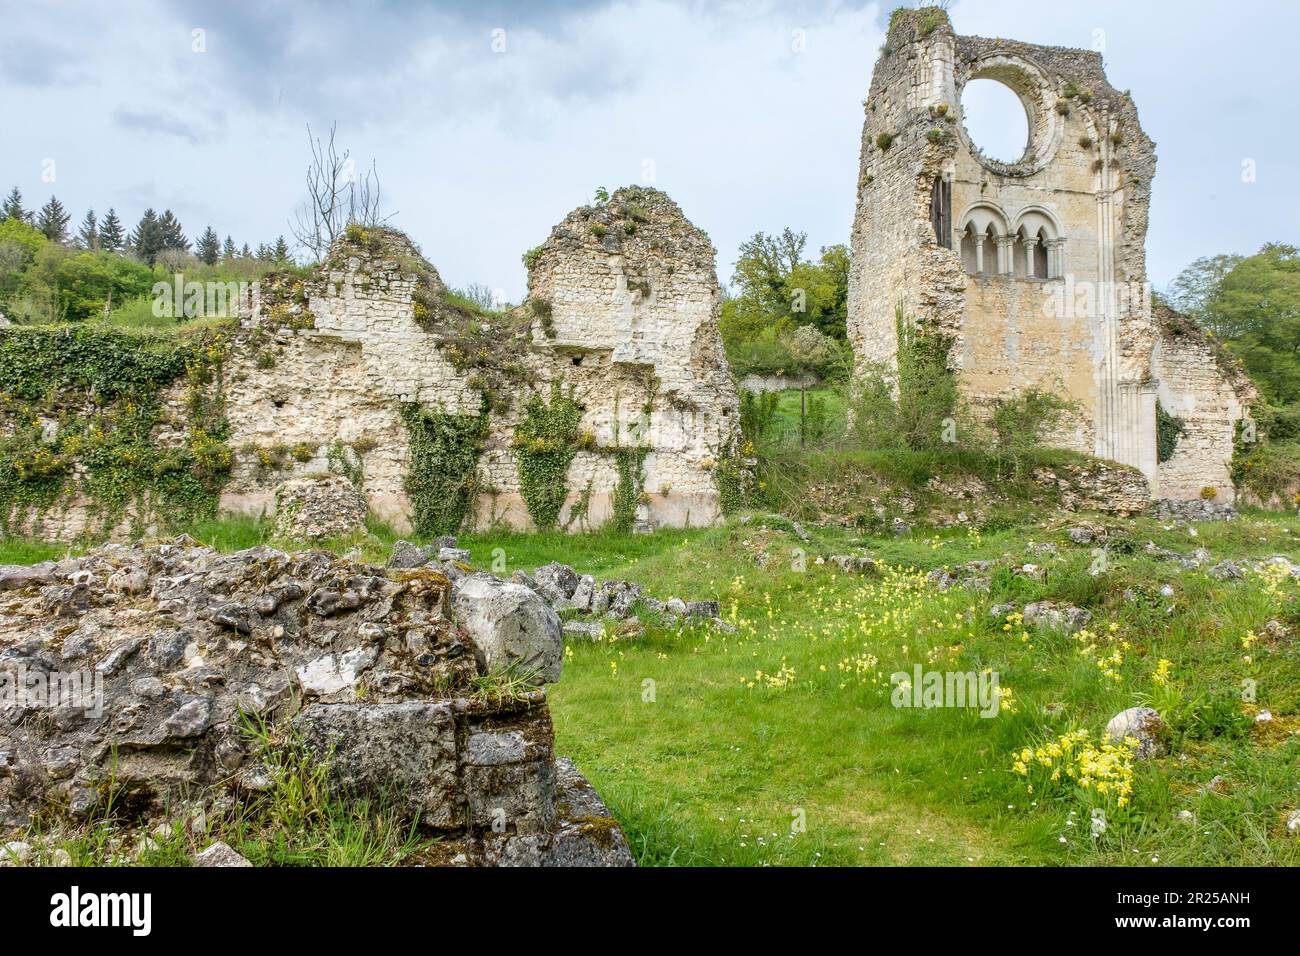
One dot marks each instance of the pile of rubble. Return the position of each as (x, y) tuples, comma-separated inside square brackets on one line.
[(137, 669)]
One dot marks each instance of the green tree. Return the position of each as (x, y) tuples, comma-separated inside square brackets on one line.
[(228, 249), (173, 236), (19, 244), (146, 240), (1193, 289), (13, 207), (209, 248), (52, 220), (778, 291), (111, 236), (280, 252), (1257, 307), (86, 282), (88, 234)]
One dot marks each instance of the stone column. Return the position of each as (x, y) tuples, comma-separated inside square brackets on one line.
[(1006, 255), (1055, 258)]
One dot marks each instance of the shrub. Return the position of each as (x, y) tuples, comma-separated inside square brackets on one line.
[(1025, 419), (757, 413)]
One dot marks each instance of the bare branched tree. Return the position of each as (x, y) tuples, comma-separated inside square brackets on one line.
[(336, 196)]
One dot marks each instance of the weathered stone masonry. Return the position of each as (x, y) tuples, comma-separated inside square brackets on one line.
[(1035, 269), (622, 314)]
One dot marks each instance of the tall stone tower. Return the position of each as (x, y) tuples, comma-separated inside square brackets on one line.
[(1035, 269)]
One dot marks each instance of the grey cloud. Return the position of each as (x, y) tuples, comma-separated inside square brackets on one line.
[(148, 121)]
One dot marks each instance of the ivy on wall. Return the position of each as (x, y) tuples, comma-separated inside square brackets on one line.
[(443, 478), (546, 441), (630, 461), (1169, 428), (733, 475), (80, 410)]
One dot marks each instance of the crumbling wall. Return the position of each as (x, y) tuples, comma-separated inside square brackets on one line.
[(1207, 392), (632, 300), (1035, 269), (621, 319)]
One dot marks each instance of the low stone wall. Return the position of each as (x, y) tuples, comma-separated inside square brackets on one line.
[(1099, 486), (142, 669), (776, 383)]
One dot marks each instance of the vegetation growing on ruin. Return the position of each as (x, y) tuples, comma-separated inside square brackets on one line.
[(546, 441), (629, 460), (928, 18), (443, 478), (1169, 428), (84, 408)]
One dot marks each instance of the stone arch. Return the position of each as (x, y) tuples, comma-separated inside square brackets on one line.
[(983, 227), (1039, 243), (1037, 94)]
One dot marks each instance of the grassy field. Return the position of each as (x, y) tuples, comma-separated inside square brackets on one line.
[(779, 743)]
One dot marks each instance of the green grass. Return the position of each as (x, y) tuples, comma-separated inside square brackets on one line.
[(785, 422), (715, 771), (778, 744)]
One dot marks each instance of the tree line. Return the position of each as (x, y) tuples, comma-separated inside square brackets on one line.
[(152, 236)]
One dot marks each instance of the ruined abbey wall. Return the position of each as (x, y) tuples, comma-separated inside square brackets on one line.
[(621, 315), (1034, 270)]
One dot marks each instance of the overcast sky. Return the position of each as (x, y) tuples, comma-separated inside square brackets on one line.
[(491, 120)]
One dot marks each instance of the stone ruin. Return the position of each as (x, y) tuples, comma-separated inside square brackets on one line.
[(621, 318), (1034, 270), (142, 671)]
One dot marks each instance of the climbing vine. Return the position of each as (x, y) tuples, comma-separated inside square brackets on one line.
[(733, 474), (630, 461), (1169, 428), (545, 442), (82, 409), (443, 477)]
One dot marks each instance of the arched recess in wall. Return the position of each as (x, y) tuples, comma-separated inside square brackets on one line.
[(1039, 245), (982, 225)]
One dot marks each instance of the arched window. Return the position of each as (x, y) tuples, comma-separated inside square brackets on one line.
[(1039, 246), (982, 230)]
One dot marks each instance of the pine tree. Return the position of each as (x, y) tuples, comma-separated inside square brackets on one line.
[(228, 250), (209, 248), (281, 251), (13, 207), (53, 220), (110, 232), (146, 240), (88, 234), (263, 251), (245, 253), (173, 237)]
